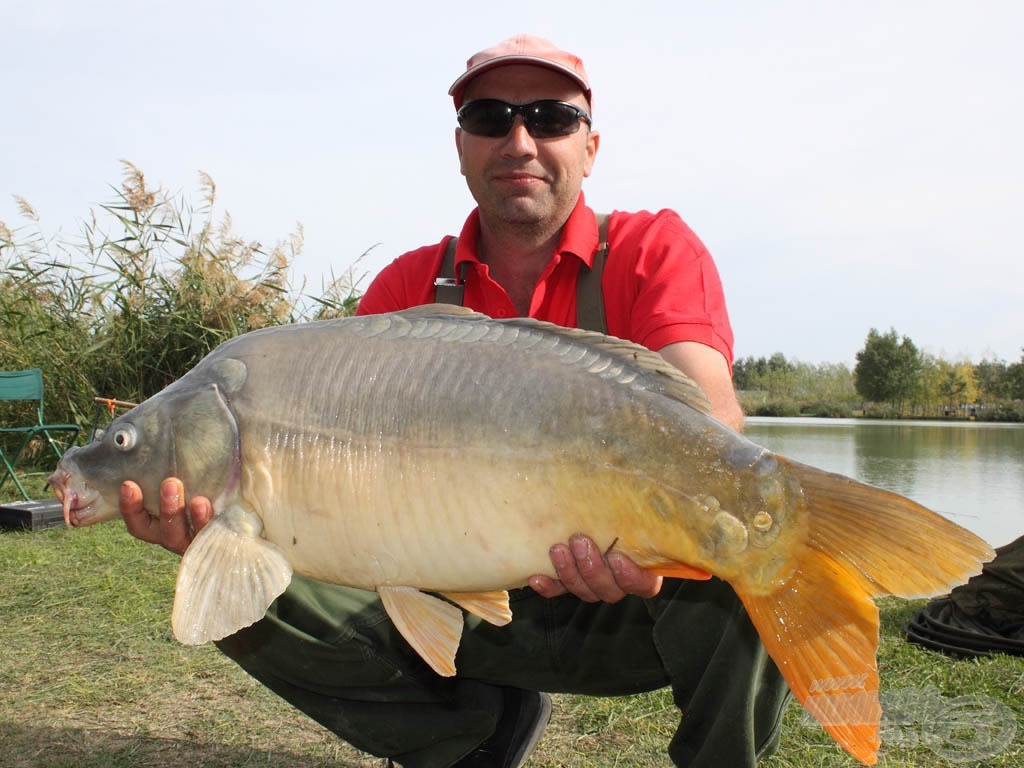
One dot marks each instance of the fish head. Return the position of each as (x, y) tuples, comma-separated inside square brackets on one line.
[(186, 431)]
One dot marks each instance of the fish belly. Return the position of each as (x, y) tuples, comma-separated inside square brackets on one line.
[(446, 522)]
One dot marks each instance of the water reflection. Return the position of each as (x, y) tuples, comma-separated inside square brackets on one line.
[(972, 473)]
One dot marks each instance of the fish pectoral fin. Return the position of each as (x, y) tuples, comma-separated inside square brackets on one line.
[(492, 607), (228, 578), (430, 625), (678, 571), (821, 629)]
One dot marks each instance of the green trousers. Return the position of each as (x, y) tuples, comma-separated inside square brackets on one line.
[(332, 653)]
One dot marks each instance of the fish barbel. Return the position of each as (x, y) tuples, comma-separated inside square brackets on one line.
[(436, 451)]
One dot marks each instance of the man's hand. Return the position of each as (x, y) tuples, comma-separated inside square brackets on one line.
[(593, 577), (173, 528)]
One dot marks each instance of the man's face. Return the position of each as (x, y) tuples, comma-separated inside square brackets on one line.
[(518, 180)]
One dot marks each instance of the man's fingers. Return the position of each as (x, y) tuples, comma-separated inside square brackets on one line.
[(586, 572), (582, 571), (545, 586), (568, 573), (594, 571), (200, 512), (633, 579), (174, 528), (136, 519)]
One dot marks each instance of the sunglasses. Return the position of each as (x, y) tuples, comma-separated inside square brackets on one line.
[(546, 119)]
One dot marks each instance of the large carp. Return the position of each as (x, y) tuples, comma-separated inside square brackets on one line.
[(439, 452)]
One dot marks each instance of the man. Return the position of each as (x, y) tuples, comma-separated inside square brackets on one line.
[(604, 626)]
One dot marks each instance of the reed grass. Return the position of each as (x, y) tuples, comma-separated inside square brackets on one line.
[(147, 288)]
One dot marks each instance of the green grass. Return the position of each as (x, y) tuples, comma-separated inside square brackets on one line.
[(91, 676)]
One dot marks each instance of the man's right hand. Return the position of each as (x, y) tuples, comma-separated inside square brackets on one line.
[(174, 527)]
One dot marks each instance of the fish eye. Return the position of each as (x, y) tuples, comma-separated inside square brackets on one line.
[(124, 437)]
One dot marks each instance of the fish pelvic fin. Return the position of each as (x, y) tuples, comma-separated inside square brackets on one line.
[(675, 570), (430, 625), (820, 624), (492, 607), (228, 578)]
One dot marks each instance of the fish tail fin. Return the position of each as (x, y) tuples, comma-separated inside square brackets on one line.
[(899, 547), (821, 626), (821, 629)]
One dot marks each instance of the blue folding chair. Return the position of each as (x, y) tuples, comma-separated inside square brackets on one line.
[(28, 386)]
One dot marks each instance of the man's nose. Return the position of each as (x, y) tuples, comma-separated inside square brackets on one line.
[(519, 141)]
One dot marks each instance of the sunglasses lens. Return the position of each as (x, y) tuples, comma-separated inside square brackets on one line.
[(543, 119), (486, 117), (548, 119)]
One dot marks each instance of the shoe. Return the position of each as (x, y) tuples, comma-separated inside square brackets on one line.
[(523, 719)]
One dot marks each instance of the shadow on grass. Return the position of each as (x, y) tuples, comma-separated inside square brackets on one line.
[(55, 747)]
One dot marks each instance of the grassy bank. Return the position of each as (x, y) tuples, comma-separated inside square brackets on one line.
[(91, 676)]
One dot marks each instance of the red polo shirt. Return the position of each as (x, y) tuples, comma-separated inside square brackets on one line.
[(660, 284)]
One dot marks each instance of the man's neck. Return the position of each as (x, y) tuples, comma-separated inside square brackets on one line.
[(516, 260)]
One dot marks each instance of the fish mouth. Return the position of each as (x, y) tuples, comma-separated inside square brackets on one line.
[(78, 504)]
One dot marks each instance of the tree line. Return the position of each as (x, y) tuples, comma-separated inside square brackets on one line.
[(892, 378)]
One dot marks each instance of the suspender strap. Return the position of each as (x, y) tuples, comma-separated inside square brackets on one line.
[(589, 296), (449, 289)]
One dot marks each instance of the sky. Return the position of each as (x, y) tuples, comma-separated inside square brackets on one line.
[(849, 165)]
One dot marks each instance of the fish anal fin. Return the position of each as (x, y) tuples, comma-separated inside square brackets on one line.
[(430, 625), (675, 570), (227, 579), (821, 629), (492, 607)]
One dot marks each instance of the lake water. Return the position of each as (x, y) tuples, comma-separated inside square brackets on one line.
[(973, 473)]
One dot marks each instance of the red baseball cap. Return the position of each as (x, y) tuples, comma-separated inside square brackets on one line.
[(521, 49)]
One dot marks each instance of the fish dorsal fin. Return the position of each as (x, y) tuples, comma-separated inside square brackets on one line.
[(430, 625), (492, 607), (672, 382), (430, 310), (228, 578)]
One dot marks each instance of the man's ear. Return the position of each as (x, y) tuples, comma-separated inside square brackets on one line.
[(458, 148), (593, 142)]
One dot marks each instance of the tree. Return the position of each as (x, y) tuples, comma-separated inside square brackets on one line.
[(992, 380), (771, 374), (999, 381), (1015, 379), (888, 368), (957, 384)]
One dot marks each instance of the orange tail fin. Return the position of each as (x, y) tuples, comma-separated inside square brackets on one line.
[(821, 626)]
